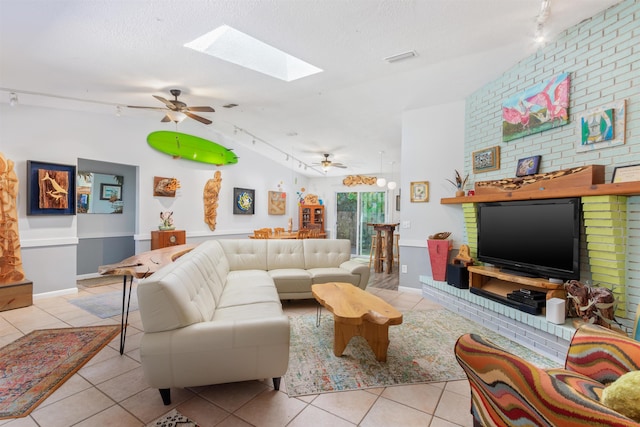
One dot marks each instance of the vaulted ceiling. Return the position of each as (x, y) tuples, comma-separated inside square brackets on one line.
[(97, 54)]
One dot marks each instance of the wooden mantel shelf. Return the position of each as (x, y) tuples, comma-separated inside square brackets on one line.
[(617, 189)]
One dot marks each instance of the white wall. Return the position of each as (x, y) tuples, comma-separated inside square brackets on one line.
[(62, 136), (432, 148)]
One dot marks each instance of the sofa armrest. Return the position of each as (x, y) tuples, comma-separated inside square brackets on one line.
[(360, 269), (507, 390), (602, 354)]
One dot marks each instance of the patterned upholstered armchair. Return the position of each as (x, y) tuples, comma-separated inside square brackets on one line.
[(507, 390)]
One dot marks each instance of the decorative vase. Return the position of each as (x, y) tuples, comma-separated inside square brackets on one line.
[(460, 193), (166, 227)]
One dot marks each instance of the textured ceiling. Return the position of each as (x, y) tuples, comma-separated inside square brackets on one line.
[(121, 52)]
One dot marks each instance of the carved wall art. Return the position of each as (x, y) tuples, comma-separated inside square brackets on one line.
[(50, 189), (353, 180), (210, 196), (10, 259)]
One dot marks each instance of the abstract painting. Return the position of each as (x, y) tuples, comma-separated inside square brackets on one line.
[(602, 127), (539, 108), (277, 202)]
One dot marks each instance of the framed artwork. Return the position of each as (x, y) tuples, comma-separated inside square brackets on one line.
[(626, 174), (602, 127), (111, 192), (165, 187), (244, 201), (486, 160), (539, 108), (419, 191), (528, 166), (277, 203), (51, 189)]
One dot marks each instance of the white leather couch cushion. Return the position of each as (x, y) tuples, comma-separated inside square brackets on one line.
[(246, 254), (177, 295), (322, 253)]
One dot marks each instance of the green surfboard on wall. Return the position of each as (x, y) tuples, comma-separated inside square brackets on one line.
[(181, 145)]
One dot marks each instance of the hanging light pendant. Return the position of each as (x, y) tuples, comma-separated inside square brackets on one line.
[(392, 184), (381, 182)]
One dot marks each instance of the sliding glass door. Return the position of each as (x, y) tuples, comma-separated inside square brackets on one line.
[(354, 211)]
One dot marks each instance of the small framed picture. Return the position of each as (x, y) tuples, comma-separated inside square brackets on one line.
[(626, 174), (419, 191), (528, 166), (486, 160), (111, 192)]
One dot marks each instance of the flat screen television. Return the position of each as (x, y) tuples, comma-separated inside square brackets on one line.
[(539, 238)]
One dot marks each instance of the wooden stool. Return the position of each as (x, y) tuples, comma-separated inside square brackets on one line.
[(372, 252)]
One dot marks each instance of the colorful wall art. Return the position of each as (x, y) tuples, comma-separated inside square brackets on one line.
[(539, 108), (244, 201), (602, 127)]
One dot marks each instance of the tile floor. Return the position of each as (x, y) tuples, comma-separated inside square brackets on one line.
[(111, 391)]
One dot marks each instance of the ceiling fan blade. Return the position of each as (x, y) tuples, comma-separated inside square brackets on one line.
[(202, 109), (198, 118), (147, 108), (339, 165), (166, 118), (169, 104)]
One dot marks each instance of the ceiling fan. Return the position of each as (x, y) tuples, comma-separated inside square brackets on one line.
[(326, 163), (177, 110)]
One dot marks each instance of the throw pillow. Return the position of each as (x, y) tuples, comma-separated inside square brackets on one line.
[(623, 395)]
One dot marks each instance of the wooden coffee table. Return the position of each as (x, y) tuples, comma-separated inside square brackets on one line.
[(356, 312)]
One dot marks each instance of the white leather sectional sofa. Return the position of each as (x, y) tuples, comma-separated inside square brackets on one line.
[(214, 315)]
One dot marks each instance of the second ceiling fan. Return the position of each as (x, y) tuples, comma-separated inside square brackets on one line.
[(326, 163), (175, 106)]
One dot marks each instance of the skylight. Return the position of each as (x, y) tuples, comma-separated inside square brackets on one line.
[(236, 47)]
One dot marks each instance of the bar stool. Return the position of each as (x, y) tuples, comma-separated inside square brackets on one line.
[(372, 251), (396, 248)]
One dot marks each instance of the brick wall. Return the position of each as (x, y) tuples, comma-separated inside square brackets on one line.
[(602, 55)]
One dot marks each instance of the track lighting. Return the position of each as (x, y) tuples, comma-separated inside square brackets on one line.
[(13, 99)]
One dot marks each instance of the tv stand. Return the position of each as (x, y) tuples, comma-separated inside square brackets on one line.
[(495, 284)]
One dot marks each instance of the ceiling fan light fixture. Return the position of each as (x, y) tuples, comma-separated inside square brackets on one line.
[(176, 116)]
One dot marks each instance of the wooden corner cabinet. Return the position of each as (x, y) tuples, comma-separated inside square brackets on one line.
[(165, 238), (311, 216)]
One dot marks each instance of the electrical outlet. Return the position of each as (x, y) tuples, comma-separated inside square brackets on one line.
[(406, 224), (404, 268)]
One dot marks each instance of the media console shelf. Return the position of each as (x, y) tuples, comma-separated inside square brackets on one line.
[(491, 282)]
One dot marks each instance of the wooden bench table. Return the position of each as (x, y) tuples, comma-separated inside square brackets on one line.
[(357, 313)]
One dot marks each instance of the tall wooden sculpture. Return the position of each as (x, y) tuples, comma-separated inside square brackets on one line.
[(14, 290)]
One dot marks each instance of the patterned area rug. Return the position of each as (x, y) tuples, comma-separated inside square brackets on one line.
[(35, 365), (420, 351), (172, 419), (105, 305)]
